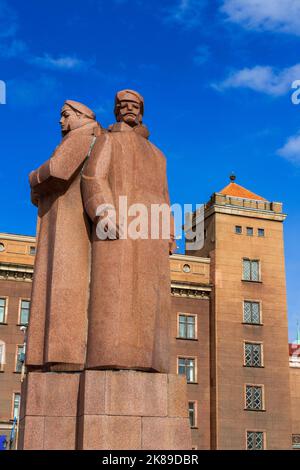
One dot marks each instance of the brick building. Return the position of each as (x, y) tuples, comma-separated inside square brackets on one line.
[(228, 326), (16, 270)]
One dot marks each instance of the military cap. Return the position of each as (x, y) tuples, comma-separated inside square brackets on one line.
[(129, 95), (81, 108)]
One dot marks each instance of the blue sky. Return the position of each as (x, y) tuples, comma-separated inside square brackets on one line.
[(216, 76)]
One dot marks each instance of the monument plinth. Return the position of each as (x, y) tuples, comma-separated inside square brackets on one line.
[(98, 339), (94, 410)]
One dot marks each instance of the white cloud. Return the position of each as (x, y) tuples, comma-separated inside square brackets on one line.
[(291, 150), (186, 12), (264, 79), (60, 63), (265, 15)]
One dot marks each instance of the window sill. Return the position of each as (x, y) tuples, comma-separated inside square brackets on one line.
[(186, 339), (2, 371), (252, 324), (194, 427), (16, 372), (192, 383), (252, 282), (253, 367), (256, 411), (3, 323), (23, 324)]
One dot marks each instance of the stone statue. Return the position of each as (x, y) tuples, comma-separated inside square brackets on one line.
[(130, 279), (58, 321), (101, 304)]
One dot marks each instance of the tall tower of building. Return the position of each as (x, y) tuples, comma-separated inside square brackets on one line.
[(250, 395)]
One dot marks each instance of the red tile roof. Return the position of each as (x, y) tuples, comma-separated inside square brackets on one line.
[(236, 190), (294, 349)]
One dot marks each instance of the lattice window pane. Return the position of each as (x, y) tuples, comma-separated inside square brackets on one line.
[(255, 314), (246, 270), (247, 312), (250, 440), (257, 398), (254, 271), (255, 440), (248, 355), (251, 312), (253, 397), (296, 441), (256, 355), (253, 355)]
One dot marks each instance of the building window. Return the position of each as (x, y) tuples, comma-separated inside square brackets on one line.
[(253, 354), (261, 232), (187, 367), (254, 397), (187, 326), (19, 358), (24, 312), (250, 231), (2, 310), (2, 247), (296, 441), (250, 270), (238, 229), (2, 355), (255, 440), (192, 414), (252, 312), (32, 250), (16, 405)]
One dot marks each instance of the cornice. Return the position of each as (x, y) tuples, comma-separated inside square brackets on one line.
[(194, 291), (16, 272)]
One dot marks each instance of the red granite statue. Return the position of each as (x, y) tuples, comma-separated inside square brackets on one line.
[(130, 279), (58, 320), (95, 312)]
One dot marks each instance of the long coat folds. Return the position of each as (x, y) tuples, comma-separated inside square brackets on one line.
[(130, 278), (58, 318)]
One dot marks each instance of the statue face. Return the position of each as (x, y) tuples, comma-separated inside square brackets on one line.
[(129, 112), (70, 119)]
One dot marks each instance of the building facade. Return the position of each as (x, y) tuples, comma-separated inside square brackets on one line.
[(228, 327), (16, 270)]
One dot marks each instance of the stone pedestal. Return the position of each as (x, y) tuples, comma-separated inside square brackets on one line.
[(111, 410)]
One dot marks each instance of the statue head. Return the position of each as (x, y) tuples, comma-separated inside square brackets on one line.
[(75, 115), (129, 107)]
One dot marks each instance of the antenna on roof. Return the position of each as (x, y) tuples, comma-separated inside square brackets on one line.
[(232, 177)]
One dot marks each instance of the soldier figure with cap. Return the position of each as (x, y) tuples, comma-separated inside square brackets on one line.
[(58, 322), (130, 280)]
